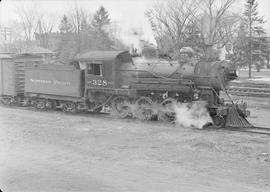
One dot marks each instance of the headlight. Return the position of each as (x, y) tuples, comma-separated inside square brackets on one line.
[(232, 75)]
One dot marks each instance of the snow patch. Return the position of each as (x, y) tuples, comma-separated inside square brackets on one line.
[(261, 79)]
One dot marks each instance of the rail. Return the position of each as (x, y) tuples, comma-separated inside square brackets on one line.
[(249, 91), (253, 130)]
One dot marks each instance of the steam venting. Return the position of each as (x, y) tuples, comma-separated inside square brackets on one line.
[(192, 114)]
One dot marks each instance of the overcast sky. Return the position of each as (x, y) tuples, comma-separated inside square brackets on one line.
[(128, 13)]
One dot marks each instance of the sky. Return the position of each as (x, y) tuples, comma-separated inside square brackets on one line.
[(129, 14)]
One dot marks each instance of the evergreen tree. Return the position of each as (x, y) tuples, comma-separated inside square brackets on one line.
[(80, 35), (67, 46), (101, 19), (65, 26), (252, 19), (255, 42), (84, 25), (241, 46)]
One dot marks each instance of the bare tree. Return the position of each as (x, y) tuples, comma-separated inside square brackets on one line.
[(79, 18), (17, 34), (34, 23), (170, 22), (210, 19), (227, 32), (46, 24), (215, 19), (217, 24), (28, 18)]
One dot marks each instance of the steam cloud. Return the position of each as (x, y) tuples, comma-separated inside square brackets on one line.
[(192, 114)]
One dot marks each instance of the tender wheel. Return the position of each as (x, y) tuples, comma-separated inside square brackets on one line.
[(99, 109), (187, 99), (218, 121), (6, 101), (144, 109), (25, 102), (121, 107), (166, 111), (51, 105), (69, 107), (40, 104)]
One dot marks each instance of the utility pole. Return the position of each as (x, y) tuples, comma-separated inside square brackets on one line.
[(5, 31), (251, 3), (5, 34)]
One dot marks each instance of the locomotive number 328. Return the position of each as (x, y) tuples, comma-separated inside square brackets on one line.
[(97, 82)]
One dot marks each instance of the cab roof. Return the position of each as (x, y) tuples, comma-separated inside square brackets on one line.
[(99, 55)]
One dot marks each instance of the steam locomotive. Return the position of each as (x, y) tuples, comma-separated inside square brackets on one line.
[(130, 86)]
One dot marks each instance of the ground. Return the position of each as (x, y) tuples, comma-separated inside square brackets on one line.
[(54, 151)]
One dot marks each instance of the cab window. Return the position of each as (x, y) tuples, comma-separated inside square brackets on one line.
[(94, 69)]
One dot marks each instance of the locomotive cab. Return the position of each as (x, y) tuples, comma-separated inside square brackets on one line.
[(100, 74)]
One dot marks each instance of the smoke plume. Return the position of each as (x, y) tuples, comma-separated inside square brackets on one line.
[(192, 114)]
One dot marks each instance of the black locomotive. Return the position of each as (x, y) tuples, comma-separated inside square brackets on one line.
[(129, 86)]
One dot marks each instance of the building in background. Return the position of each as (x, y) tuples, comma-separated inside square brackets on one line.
[(49, 41), (40, 51)]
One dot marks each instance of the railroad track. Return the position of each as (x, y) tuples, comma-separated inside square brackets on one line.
[(251, 130), (250, 84), (249, 91), (254, 130)]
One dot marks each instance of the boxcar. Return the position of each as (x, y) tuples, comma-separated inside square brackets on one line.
[(7, 80), (12, 74)]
